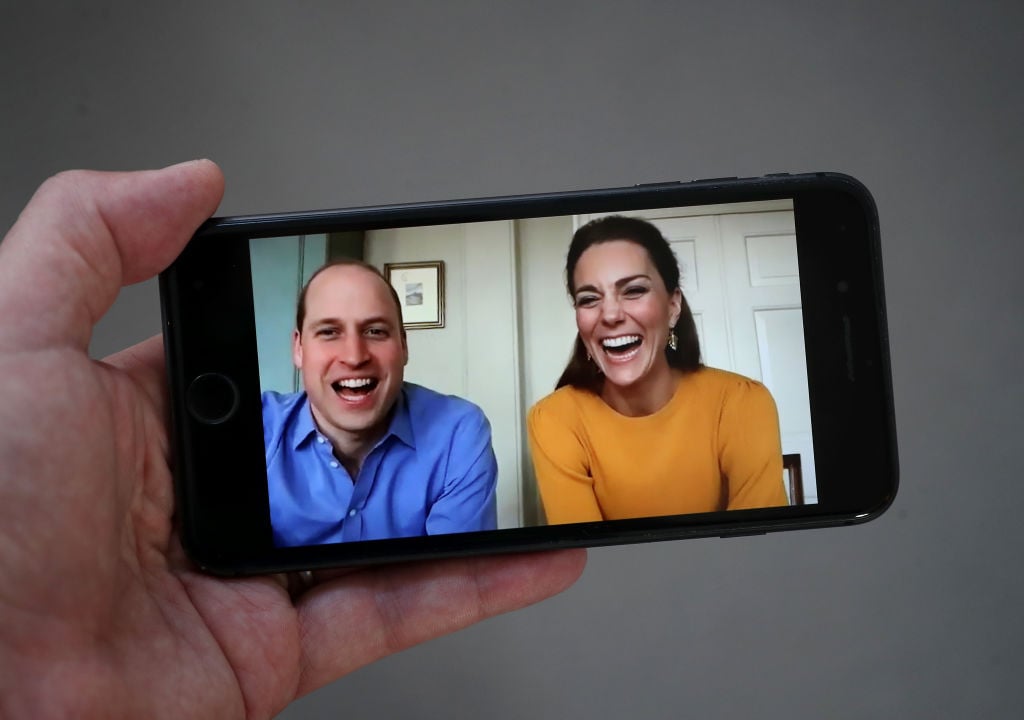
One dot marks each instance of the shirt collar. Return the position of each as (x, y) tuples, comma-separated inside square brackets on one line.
[(304, 429), (401, 421)]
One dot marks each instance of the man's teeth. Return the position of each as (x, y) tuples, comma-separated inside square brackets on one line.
[(620, 341), (354, 383)]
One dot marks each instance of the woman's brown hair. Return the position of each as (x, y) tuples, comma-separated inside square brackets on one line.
[(583, 373)]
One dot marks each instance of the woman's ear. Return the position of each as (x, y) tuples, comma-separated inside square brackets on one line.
[(676, 307)]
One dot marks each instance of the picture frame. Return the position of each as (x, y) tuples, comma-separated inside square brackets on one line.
[(420, 289)]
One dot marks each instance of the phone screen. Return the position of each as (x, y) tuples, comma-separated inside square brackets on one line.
[(488, 319)]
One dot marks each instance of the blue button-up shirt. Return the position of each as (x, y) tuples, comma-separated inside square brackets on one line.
[(433, 472)]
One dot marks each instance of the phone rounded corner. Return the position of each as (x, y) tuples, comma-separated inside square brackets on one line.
[(202, 558), (854, 187), (883, 504)]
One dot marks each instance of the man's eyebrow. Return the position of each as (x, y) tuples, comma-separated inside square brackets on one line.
[(376, 319), (318, 322), (618, 283)]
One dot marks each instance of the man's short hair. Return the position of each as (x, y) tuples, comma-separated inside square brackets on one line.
[(300, 311)]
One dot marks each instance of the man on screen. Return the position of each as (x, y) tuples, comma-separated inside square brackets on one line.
[(360, 454)]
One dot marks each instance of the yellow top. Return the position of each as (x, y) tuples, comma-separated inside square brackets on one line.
[(714, 446)]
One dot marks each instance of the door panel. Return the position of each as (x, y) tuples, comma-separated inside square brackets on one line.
[(766, 323)]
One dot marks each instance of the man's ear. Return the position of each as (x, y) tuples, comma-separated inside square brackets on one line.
[(297, 349), (405, 349)]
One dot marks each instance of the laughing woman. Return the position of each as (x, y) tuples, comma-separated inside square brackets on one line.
[(637, 427)]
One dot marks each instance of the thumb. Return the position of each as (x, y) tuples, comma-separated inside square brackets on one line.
[(83, 235)]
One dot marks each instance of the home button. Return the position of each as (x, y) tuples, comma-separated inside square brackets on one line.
[(212, 398)]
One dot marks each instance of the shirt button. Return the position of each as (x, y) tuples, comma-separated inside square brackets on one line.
[(352, 512), (334, 464), (320, 439)]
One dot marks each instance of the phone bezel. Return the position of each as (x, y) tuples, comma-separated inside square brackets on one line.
[(206, 298)]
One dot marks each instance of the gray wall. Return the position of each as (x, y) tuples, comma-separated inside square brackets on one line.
[(916, 615)]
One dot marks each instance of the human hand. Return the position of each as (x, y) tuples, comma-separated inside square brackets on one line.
[(101, 614)]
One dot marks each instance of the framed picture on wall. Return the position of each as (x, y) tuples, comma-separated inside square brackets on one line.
[(420, 288)]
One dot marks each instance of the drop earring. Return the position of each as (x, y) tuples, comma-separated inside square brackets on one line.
[(673, 341)]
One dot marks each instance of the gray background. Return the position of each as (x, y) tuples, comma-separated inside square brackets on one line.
[(915, 615)]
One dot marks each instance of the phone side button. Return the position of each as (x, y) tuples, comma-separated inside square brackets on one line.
[(651, 185), (212, 398), (742, 534)]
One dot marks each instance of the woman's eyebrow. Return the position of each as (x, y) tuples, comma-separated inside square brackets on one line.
[(618, 283), (631, 278)]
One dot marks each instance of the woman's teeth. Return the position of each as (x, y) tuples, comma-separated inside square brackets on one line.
[(620, 344)]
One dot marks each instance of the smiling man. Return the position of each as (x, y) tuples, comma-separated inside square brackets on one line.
[(360, 454)]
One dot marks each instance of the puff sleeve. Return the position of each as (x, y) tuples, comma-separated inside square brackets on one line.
[(750, 447), (558, 447)]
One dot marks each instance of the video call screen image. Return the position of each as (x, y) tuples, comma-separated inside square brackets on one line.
[(459, 428)]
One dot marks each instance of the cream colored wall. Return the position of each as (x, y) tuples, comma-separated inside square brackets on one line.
[(548, 324), (508, 329), (475, 355)]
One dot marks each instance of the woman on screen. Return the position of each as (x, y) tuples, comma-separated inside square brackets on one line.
[(637, 426)]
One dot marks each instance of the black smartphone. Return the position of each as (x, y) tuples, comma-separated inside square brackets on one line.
[(656, 362)]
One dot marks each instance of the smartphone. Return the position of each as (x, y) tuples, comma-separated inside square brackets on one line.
[(378, 384)]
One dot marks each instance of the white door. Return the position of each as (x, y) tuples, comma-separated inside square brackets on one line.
[(766, 322), (696, 244)]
